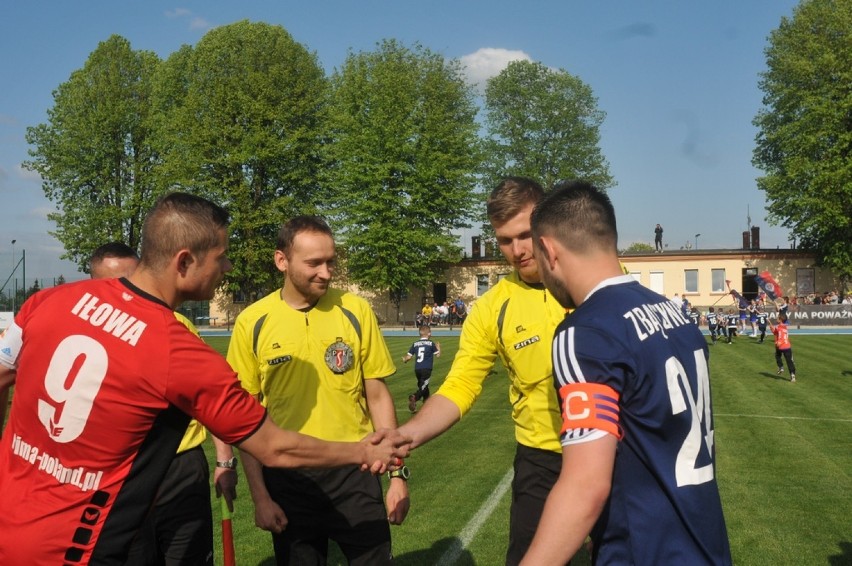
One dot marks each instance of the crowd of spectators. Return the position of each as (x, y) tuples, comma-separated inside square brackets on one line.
[(448, 313), (826, 298)]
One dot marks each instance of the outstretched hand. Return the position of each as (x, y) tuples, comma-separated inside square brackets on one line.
[(384, 450)]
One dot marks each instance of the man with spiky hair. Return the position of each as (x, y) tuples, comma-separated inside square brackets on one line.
[(106, 381), (638, 459)]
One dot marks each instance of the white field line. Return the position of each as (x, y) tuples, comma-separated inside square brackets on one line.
[(782, 418), (472, 528)]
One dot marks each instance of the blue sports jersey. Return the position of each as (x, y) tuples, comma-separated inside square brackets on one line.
[(711, 319), (627, 362), (762, 317), (422, 351)]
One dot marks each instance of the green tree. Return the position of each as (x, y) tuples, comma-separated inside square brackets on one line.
[(544, 124), (402, 158), (804, 140), (94, 153), (639, 247), (241, 122)]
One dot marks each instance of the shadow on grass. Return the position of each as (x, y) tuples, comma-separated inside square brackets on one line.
[(845, 556), (447, 550), (775, 376)]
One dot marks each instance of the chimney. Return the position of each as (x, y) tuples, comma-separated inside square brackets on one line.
[(489, 248), (755, 237), (746, 240), (476, 247)]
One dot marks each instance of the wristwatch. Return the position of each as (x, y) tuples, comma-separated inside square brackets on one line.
[(229, 464), (402, 472)]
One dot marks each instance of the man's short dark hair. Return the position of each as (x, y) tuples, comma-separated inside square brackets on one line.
[(297, 224), (111, 249), (178, 221), (579, 215)]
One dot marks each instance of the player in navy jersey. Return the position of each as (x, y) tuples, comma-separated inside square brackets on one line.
[(638, 469), (713, 324), (694, 315), (732, 319), (423, 351), (762, 318)]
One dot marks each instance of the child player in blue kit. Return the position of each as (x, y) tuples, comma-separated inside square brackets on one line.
[(422, 351)]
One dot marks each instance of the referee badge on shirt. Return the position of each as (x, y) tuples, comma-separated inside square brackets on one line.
[(339, 357)]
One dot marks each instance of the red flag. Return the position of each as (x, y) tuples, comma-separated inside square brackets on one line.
[(768, 284)]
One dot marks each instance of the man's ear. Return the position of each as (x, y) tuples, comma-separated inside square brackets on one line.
[(184, 260), (545, 246), (281, 261)]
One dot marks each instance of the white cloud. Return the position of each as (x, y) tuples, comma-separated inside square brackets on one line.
[(199, 23), (487, 62), (26, 174), (195, 22), (177, 13)]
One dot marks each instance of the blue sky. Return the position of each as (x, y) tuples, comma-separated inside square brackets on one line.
[(677, 81)]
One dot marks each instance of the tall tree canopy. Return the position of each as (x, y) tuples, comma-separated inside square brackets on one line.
[(94, 153), (544, 124), (241, 122), (804, 140), (402, 158)]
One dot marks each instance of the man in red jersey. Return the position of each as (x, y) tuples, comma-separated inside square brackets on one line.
[(106, 381)]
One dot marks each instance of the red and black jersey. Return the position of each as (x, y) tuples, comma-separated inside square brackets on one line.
[(107, 380)]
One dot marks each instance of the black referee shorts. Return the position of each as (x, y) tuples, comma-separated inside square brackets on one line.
[(536, 471), (342, 504)]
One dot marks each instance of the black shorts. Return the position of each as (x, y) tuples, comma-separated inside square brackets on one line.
[(342, 504), (536, 471), (179, 527)]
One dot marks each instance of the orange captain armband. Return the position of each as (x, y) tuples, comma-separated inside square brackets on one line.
[(590, 405)]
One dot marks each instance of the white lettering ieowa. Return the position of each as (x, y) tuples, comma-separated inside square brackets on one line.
[(109, 319)]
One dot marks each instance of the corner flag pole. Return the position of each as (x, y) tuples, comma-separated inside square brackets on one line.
[(227, 535)]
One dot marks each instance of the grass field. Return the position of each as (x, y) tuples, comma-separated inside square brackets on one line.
[(784, 463)]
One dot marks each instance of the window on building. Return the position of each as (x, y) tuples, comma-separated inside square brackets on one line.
[(690, 280), (501, 276), (481, 284), (718, 280), (636, 275)]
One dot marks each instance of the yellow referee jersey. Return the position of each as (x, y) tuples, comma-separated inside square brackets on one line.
[(195, 432), (309, 366), (515, 321)]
